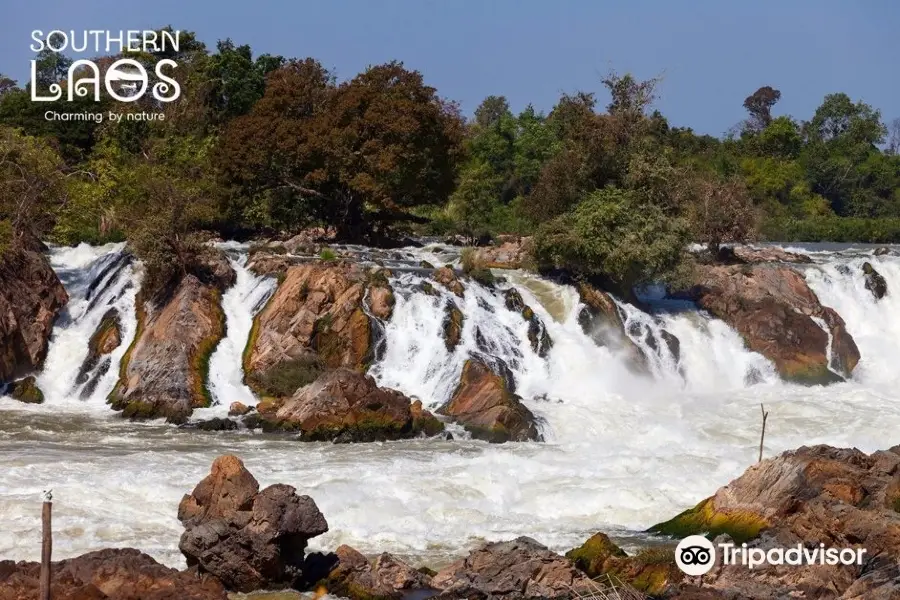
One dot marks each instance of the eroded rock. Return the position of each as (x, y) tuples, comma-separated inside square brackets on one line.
[(246, 538), (446, 276), (875, 282), (385, 578), (600, 320), (488, 409)]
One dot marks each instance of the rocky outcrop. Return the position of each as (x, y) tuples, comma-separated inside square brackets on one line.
[(651, 571), (488, 409), (26, 390), (246, 538), (239, 409), (348, 406), (446, 276), (841, 498), (881, 251), (452, 326), (600, 320), (316, 315), (540, 339), (31, 297), (164, 371), (106, 338), (113, 574), (510, 254), (745, 254), (780, 317), (514, 570), (385, 578), (875, 282)]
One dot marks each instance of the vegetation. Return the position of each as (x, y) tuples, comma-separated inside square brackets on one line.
[(263, 145)]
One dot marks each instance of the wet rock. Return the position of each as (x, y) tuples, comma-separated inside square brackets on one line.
[(651, 571), (239, 409), (446, 276), (452, 326), (381, 302), (881, 251), (600, 320), (488, 409), (514, 570), (385, 578), (348, 406), (841, 498), (774, 254), (426, 288), (106, 338), (214, 424), (673, 344), (31, 297), (513, 300), (426, 265), (875, 283), (112, 574), (315, 316), (26, 391), (776, 313), (247, 539), (164, 372), (540, 339)]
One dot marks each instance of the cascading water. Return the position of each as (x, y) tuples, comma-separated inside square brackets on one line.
[(100, 281), (240, 304), (623, 450)]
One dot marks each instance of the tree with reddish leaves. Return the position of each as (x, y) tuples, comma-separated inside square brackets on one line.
[(759, 104)]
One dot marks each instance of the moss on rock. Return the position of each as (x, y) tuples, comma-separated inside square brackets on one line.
[(27, 391), (703, 519), (591, 555)]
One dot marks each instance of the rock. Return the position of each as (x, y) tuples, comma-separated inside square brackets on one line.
[(426, 288), (214, 424), (27, 391), (348, 406), (426, 265), (591, 556), (385, 578), (746, 254), (381, 302), (600, 320), (452, 326), (106, 338), (514, 570), (488, 409), (513, 300), (247, 539), (315, 316), (881, 251), (537, 331), (651, 571), (841, 498), (446, 276), (776, 313), (672, 343), (31, 297), (163, 374), (239, 409), (510, 254), (875, 283), (111, 574)]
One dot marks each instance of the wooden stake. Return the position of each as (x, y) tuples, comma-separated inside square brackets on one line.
[(762, 435), (46, 550)]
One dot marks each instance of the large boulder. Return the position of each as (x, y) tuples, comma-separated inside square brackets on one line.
[(875, 281), (316, 316), (511, 253), (164, 371), (31, 297), (247, 539), (348, 406), (446, 276), (780, 317), (106, 338), (26, 391), (651, 571), (488, 409), (747, 254), (540, 339), (513, 570), (386, 578), (842, 498), (112, 574), (600, 320)]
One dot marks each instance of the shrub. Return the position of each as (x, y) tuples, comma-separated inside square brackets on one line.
[(327, 254)]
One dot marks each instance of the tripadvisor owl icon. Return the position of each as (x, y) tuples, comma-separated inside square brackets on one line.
[(695, 555)]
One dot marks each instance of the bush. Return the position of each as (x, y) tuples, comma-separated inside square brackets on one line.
[(833, 229), (327, 254)]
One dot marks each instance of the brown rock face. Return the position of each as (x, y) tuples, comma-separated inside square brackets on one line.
[(348, 406), (776, 312), (838, 497), (447, 278), (386, 577), (106, 338), (247, 539), (510, 254), (113, 574), (484, 405), (164, 372), (600, 320), (514, 570), (761, 255), (31, 297), (316, 314)]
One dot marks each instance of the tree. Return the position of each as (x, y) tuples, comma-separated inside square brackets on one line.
[(721, 211), (238, 81), (490, 111), (759, 105), (474, 200), (893, 140), (7, 84)]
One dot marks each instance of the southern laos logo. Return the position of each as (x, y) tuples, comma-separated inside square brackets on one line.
[(125, 80)]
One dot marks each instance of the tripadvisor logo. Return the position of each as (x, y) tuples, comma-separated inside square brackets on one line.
[(125, 80)]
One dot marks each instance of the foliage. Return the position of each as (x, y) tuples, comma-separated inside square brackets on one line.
[(721, 211)]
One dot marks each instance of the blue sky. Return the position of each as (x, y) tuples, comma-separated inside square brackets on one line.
[(712, 53)]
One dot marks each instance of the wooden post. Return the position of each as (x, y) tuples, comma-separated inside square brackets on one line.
[(46, 547), (762, 435)]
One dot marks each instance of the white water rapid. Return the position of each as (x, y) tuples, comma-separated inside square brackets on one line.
[(622, 450)]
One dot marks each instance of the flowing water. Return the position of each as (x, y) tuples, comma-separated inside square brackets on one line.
[(622, 451)]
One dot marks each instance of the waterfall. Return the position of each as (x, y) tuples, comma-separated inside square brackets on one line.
[(240, 303), (97, 279), (874, 324)]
